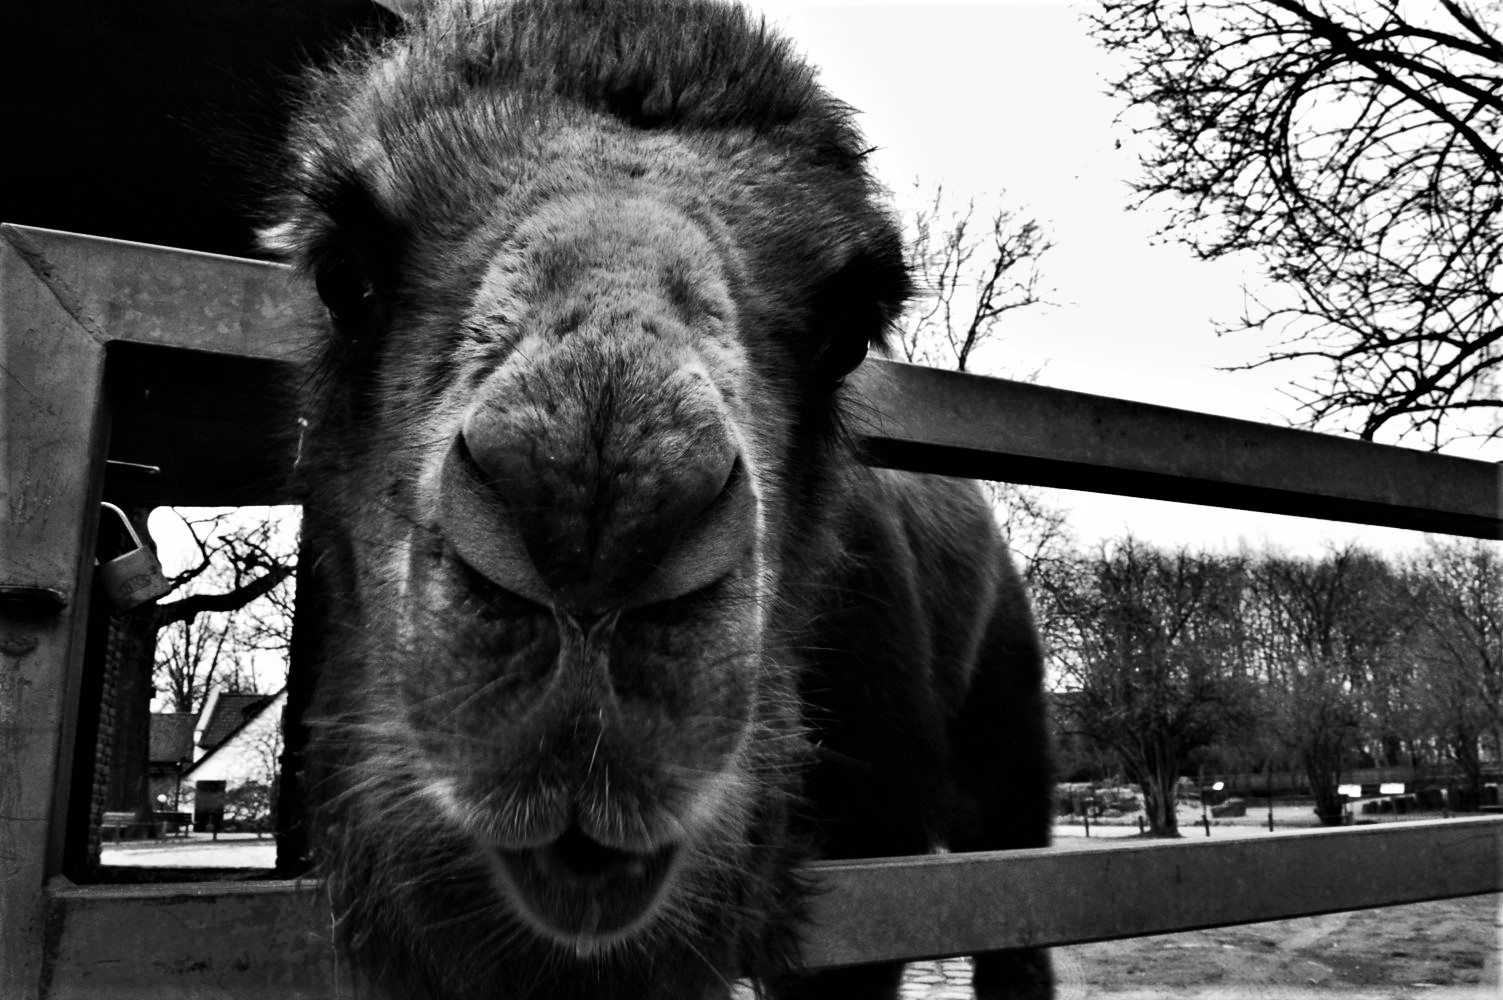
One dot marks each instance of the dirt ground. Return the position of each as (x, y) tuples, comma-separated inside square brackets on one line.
[(1446, 948), (1439, 951)]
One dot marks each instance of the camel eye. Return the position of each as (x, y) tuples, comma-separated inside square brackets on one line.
[(347, 293), (841, 356), (853, 308)]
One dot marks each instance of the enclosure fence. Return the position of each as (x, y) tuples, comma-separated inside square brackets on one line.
[(144, 376)]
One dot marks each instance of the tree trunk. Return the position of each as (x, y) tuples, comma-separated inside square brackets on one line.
[(1464, 752), (1325, 776), (1160, 800)]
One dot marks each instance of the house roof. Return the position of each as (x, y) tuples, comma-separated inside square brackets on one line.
[(171, 736), (227, 713), (248, 712)]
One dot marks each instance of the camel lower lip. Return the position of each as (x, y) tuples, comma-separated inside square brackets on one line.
[(577, 888)]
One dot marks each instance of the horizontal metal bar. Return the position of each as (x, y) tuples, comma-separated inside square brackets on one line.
[(908, 417), (271, 939), (174, 298), (956, 424), (912, 418), (241, 940), (959, 904)]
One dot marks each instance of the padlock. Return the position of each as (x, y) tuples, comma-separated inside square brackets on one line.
[(134, 578)]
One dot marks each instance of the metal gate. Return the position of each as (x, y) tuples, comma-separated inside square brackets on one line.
[(116, 359)]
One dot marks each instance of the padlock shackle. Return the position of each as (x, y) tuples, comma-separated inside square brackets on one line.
[(130, 528), (134, 577)]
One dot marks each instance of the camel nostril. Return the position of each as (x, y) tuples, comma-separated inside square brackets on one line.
[(597, 501), (704, 486), (504, 463), (478, 526), (731, 482), (493, 598), (712, 545)]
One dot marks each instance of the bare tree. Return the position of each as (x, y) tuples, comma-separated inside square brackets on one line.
[(235, 600), (182, 647), (1331, 629), (1354, 148), (1459, 585), (970, 275), (1151, 649)]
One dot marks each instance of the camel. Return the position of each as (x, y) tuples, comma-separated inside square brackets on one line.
[(621, 631)]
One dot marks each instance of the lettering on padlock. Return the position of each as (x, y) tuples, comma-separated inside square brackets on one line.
[(132, 579)]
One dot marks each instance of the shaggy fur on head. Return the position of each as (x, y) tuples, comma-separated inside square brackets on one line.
[(619, 632)]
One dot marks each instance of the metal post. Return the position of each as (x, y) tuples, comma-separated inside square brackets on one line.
[(52, 449), (1270, 796), (1205, 817)]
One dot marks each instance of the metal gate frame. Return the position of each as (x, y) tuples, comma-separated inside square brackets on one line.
[(150, 357)]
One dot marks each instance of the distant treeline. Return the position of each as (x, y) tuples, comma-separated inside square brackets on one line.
[(1173, 663)]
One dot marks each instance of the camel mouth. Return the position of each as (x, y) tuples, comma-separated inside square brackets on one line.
[(585, 893)]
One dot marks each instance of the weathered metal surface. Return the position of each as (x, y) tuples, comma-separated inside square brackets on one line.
[(272, 939), (246, 941), (190, 415), (173, 298), (966, 425), (959, 904), (200, 349), (51, 440)]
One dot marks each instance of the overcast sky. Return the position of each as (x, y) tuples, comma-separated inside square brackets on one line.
[(988, 98), (994, 97)]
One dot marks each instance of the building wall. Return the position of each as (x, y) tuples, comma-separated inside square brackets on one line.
[(249, 755)]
